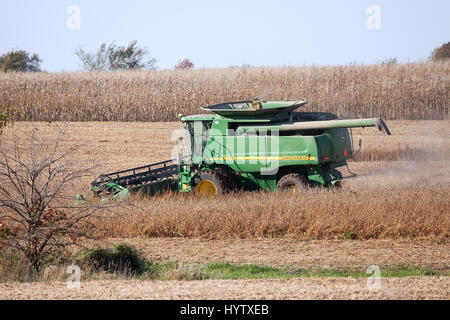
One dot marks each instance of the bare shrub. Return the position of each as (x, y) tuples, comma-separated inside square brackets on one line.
[(442, 53), (38, 213), (184, 64), (122, 258)]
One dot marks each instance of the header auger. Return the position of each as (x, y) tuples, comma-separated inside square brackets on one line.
[(247, 145)]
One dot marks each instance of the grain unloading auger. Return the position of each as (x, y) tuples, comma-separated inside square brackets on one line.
[(247, 145)]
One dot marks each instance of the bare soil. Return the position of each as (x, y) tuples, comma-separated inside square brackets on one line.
[(333, 254), (285, 289)]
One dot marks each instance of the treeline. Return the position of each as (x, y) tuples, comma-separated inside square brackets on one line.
[(106, 57)]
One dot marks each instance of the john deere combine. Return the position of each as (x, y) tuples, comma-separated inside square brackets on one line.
[(246, 145)]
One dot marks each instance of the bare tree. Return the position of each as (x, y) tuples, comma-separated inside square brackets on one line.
[(38, 213), (113, 57)]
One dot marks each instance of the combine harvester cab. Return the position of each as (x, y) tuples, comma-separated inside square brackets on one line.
[(247, 145)]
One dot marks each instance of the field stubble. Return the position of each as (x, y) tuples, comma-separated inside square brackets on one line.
[(283, 289)]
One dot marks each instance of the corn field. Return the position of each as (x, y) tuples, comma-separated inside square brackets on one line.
[(393, 91)]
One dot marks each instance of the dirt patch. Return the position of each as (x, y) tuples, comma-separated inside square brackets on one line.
[(294, 253), (311, 288)]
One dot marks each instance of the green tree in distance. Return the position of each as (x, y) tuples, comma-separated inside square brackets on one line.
[(19, 60)]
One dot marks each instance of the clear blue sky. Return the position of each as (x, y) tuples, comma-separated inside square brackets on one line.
[(223, 33)]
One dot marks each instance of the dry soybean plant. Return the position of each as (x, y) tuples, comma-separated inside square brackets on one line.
[(381, 212)]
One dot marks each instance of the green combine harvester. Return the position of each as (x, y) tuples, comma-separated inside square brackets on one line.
[(247, 145)]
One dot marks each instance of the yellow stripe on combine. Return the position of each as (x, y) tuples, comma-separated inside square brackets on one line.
[(302, 158)]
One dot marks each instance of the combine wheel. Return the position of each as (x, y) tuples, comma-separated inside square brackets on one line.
[(228, 178), (337, 184), (292, 182), (210, 184)]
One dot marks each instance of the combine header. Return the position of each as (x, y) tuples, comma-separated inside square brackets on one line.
[(150, 179), (247, 145)]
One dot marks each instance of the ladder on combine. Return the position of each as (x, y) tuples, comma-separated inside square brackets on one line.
[(153, 174)]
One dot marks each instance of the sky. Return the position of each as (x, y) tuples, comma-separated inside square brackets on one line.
[(229, 33)]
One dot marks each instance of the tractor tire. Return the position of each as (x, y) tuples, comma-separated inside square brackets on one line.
[(228, 177), (337, 185), (293, 182), (210, 183)]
